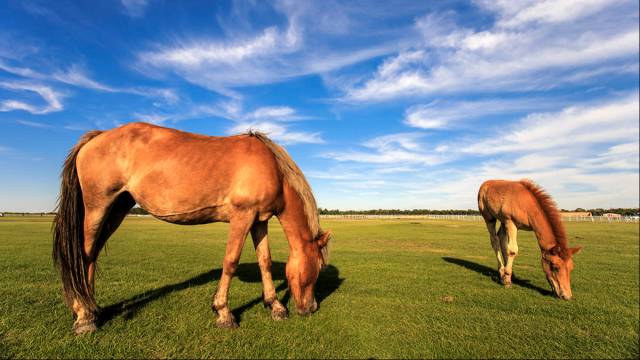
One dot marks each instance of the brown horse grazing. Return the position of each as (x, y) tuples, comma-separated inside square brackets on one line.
[(524, 205), (185, 178)]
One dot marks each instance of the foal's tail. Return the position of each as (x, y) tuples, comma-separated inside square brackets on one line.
[(68, 233)]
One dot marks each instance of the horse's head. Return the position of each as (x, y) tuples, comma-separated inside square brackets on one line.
[(557, 264), (303, 272)]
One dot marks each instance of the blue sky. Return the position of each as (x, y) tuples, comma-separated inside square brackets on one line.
[(383, 104)]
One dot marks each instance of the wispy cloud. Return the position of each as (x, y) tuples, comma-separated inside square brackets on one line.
[(521, 14), (134, 8), (34, 124), (50, 96), (392, 149), (275, 122), (278, 132), (442, 114), (524, 49), (150, 118), (76, 75), (280, 113), (300, 46), (574, 126)]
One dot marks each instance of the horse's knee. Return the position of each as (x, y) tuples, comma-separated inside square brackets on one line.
[(229, 265), (265, 263)]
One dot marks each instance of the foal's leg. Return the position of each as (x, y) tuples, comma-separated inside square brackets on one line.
[(504, 240), (238, 231), (495, 244), (511, 249), (260, 242)]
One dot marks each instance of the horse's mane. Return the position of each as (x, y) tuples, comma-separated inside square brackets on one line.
[(295, 178), (550, 210)]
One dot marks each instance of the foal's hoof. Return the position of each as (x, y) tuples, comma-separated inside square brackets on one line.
[(226, 324), (84, 327), (279, 312)]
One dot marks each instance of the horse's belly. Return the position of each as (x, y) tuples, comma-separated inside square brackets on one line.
[(199, 216)]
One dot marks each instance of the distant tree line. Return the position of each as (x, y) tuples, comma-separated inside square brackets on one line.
[(397, 212), (16, 213), (595, 212), (137, 210)]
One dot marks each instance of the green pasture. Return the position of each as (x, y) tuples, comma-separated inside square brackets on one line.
[(395, 289)]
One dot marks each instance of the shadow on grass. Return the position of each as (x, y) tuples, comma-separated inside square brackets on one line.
[(493, 274), (328, 282)]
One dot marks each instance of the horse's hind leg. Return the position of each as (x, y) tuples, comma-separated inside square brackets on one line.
[(99, 225), (509, 248), (85, 318), (495, 244), (240, 225), (259, 232)]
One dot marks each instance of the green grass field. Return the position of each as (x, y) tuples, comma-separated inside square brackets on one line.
[(394, 289)]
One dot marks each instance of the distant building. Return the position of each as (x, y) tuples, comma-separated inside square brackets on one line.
[(612, 215), (576, 214)]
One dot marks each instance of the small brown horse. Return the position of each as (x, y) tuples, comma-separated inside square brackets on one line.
[(185, 178), (524, 205)]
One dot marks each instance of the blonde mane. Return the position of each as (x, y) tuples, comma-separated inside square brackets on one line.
[(295, 178)]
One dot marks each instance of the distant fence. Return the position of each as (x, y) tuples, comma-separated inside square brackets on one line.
[(598, 219)]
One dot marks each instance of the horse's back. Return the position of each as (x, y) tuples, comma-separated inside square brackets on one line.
[(505, 200), (171, 172)]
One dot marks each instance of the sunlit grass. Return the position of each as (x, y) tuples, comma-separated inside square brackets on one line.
[(395, 289)]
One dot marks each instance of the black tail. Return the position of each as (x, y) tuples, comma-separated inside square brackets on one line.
[(68, 233)]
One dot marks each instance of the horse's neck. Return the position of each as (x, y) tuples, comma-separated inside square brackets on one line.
[(542, 228), (294, 220)]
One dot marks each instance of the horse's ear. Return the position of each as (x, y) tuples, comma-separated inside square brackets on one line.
[(575, 250), (324, 238)]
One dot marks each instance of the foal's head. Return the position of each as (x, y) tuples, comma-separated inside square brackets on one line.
[(303, 271), (557, 264)]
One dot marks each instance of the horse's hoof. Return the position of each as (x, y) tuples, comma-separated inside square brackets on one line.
[(84, 327), (279, 313), (226, 324)]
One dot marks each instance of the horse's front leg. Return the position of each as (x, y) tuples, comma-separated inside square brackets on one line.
[(238, 231), (259, 232)]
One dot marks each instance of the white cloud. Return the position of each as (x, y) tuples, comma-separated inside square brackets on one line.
[(278, 132), (315, 38), (34, 124), (50, 96), (151, 118), (76, 75), (274, 112), (407, 141), (625, 157), (221, 64), (458, 190), (392, 149), (613, 121), (553, 11), (544, 53), (134, 8)]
